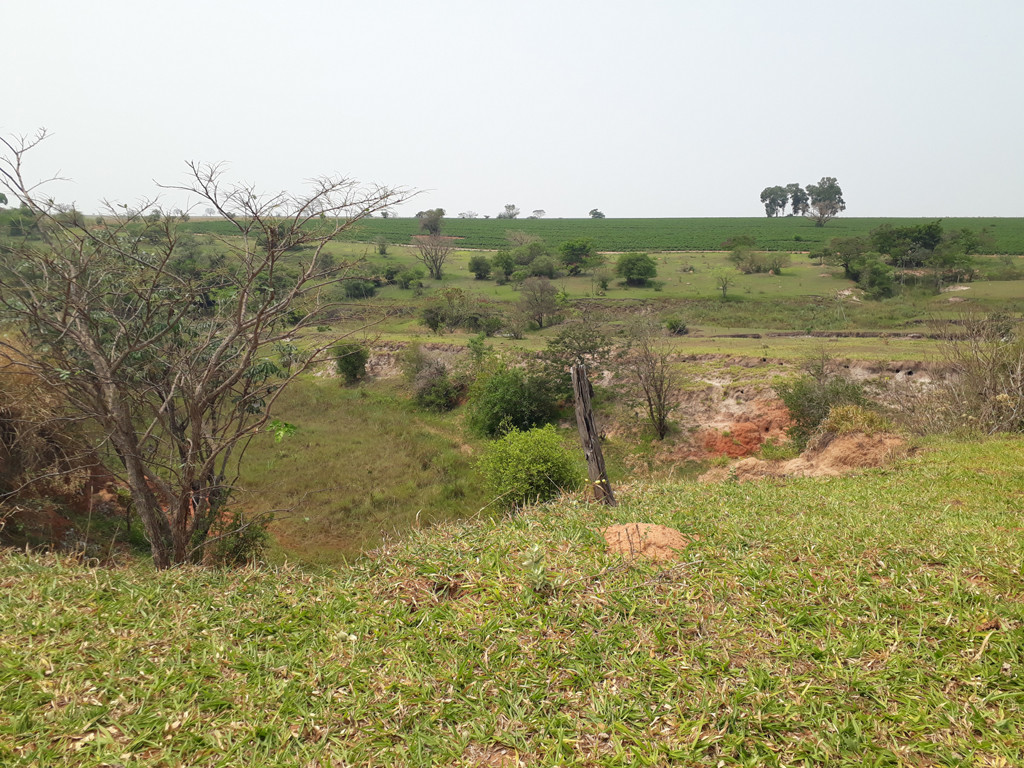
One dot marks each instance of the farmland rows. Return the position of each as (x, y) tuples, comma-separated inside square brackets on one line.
[(785, 234)]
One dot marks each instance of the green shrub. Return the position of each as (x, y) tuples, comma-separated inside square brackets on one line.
[(636, 268), (480, 266), (843, 419), (236, 541), (676, 325), (359, 289), (350, 361), (529, 467), (810, 398), (508, 399), (436, 389)]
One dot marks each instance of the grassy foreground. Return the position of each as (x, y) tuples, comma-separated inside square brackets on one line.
[(873, 620)]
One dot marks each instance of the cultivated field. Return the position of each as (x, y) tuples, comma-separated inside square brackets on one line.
[(777, 234)]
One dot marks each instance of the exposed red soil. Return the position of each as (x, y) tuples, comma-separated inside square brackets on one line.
[(828, 455), (654, 542)]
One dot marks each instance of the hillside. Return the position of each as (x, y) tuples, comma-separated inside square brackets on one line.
[(868, 620)]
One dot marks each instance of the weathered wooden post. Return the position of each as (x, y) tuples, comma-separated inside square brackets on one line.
[(588, 436)]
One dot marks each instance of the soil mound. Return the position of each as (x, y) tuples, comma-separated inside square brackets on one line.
[(655, 542), (828, 455)]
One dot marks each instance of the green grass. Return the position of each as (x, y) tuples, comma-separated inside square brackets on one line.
[(706, 234), (872, 620), (363, 465)]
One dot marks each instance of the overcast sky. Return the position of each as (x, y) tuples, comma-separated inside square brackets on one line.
[(641, 108)]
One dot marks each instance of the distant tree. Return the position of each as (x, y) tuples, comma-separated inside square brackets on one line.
[(907, 247), (539, 213), (845, 252), (636, 268), (505, 263), (537, 299), (724, 280), (826, 200), (517, 237), (381, 243), (595, 214), (3, 199), (468, 215), (774, 199), (798, 199), (430, 220), (433, 251), (510, 212), (480, 266), (577, 254)]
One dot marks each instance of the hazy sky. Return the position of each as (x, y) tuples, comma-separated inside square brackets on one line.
[(641, 108)]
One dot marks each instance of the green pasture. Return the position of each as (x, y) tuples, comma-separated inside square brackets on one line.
[(683, 234)]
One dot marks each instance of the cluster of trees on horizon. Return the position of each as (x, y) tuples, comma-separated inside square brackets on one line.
[(822, 201)]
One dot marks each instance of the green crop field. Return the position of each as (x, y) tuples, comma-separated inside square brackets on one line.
[(783, 234)]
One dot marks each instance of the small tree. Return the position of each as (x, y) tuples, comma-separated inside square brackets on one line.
[(350, 361), (577, 254), (537, 299), (636, 268), (480, 266), (724, 280), (433, 251), (578, 342), (595, 214), (430, 221), (172, 366), (510, 212), (798, 199), (646, 361)]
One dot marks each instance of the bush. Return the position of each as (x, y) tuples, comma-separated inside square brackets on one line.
[(480, 266), (436, 389), (811, 398), (843, 419), (529, 467), (350, 361), (676, 326), (235, 541), (636, 268), (507, 400), (359, 289), (410, 278)]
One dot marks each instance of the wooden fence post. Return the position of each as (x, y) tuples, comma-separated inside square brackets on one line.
[(589, 437)]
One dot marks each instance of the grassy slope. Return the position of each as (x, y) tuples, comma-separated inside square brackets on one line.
[(682, 234), (362, 465), (832, 622)]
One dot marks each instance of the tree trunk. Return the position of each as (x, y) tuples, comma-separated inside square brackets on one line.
[(589, 436)]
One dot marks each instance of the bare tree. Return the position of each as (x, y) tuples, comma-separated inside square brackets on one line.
[(433, 251), (174, 365), (646, 361)]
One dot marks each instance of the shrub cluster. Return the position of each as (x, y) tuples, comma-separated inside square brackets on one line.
[(528, 467)]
